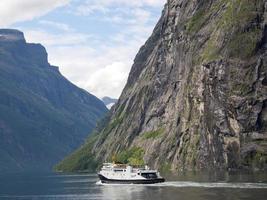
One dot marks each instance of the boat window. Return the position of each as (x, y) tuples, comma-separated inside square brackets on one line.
[(118, 170), (149, 175)]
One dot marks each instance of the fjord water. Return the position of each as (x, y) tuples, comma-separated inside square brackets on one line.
[(53, 186)]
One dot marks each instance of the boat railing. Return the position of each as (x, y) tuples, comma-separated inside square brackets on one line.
[(124, 166)]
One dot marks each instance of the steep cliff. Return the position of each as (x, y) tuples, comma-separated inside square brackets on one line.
[(196, 96), (43, 116)]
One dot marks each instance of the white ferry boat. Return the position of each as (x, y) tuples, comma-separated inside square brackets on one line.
[(126, 174)]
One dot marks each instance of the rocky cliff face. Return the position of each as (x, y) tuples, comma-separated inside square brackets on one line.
[(196, 96), (43, 116)]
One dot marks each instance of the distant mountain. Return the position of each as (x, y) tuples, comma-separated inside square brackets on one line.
[(109, 102), (43, 116)]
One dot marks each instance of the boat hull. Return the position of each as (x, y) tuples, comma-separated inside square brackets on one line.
[(103, 179)]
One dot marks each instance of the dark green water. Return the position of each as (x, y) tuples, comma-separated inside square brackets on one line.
[(84, 186)]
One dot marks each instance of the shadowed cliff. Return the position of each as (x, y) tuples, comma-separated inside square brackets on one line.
[(43, 116)]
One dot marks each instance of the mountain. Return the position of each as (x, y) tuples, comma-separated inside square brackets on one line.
[(196, 96), (109, 102), (43, 116)]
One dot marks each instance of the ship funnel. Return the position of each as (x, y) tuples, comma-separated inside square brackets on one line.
[(129, 169)]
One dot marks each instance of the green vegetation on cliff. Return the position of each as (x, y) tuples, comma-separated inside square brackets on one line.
[(153, 134), (233, 30), (80, 160), (133, 156)]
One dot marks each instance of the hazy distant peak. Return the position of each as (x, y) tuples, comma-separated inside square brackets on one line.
[(109, 102)]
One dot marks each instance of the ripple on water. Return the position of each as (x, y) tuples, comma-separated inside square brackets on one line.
[(54, 197), (198, 185)]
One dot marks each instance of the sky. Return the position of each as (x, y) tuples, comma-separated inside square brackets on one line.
[(93, 42)]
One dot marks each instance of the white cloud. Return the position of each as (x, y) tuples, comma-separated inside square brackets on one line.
[(87, 9), (57, 25), (99, 64), (101, 69), (12, 11), (60, 39), (108, 80), (77, 63), (90, 6), (129, 16)]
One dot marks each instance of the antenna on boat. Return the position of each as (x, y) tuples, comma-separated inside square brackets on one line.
[(114, 158)]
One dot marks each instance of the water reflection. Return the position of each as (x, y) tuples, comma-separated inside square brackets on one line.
[(121, 192), (184, 190), (220, 176)]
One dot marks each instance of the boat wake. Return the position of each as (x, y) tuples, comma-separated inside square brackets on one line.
[(183, 184)]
